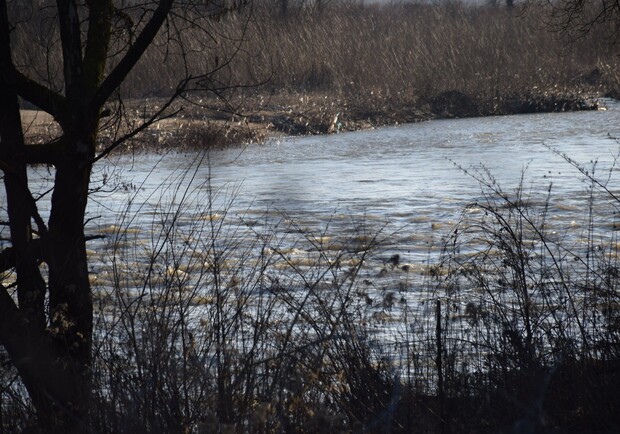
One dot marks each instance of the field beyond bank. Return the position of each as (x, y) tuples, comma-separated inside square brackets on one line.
[(351, 66)]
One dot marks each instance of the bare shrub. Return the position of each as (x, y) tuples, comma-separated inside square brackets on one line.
[(211, 326), (530, 312)]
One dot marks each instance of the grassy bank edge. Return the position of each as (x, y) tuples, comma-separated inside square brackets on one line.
[(260, 118)]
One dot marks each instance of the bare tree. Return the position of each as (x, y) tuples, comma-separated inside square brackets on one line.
[(46, 321), (576, 18)]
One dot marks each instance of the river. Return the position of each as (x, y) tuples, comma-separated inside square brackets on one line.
[(319, 201), (405, 177)]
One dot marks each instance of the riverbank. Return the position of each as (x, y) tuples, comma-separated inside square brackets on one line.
[(347, 68), (258, 118)]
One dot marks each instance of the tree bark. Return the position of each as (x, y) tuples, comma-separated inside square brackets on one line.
[(50, 343), (53, 379)]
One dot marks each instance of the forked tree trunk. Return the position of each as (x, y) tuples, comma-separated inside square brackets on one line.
[(51, 353), (54, 361), (53, 358), (50, 345)]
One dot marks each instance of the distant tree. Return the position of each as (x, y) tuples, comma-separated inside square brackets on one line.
[(576, 18), (46, 319)]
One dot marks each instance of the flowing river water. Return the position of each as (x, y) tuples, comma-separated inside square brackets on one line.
[(404, 178), (308, 199)]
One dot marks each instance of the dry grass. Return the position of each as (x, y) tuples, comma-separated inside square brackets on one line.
[(352, 66)]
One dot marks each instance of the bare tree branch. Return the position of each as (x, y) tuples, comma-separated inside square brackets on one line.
[(156, 117), (39, 95), (134, 53)]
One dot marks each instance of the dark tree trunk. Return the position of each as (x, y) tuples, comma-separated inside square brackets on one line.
[(50, 344), (56, 379), (53, 362), (70, 300)]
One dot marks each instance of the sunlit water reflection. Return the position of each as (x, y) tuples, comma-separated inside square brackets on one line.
[(337, 192), (404, 175)]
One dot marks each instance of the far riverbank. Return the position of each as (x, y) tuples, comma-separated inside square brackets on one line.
[(259, 118)]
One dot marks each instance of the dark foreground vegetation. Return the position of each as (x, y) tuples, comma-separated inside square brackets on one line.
[(210, 327), (346, 66)]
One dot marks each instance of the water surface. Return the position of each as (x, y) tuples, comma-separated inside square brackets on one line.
[(405, 176)]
